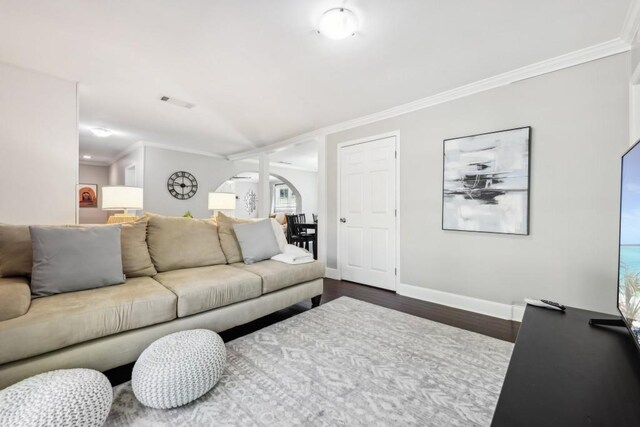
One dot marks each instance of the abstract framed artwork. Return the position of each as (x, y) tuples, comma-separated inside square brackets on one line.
[(88, 195), (486, 182)]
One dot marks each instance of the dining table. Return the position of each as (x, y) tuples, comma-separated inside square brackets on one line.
[(308, 227)]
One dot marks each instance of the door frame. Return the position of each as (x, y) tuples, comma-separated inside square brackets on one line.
[(371, 138)]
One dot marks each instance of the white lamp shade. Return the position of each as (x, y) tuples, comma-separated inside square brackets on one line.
[(121, 198), (222, 201)]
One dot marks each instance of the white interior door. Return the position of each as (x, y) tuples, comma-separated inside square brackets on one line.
[(367, 223)]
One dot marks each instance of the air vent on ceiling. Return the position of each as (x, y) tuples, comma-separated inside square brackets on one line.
[(178, 102), (284, 163), (240, 177)]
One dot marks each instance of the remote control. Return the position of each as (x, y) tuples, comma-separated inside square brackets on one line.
[(545, 304)]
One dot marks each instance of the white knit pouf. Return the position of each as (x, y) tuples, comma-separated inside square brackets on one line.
[(67, 397), (178, 368)]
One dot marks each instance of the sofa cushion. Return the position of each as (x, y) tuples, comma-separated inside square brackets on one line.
[(136, 261), (206, 288), (70, 259), (277, 275), (16, 255), (177, 243), (15, 297), (62, 320)]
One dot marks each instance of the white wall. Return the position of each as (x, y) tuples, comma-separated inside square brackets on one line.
[(99, 175), (580, 121), (634, 93), (210, 172), (160, 164), (306, 182), (38, 148), (134, 158), (241, 188)]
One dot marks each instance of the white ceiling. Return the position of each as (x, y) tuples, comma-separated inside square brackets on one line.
[(253, 177), (257, 71), (302, 156)]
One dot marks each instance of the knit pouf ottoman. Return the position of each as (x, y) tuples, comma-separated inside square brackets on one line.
[(67, 397), (178, 368)]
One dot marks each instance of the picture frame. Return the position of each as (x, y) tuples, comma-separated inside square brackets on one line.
[(87, 195), (486, 181)]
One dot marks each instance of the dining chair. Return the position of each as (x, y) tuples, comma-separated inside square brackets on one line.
[(298, 236)]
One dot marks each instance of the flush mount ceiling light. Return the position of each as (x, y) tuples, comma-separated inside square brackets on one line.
[(338, 24), (101, 132), (86, 157)]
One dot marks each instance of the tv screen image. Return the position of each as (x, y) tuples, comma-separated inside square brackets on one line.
[(629, 255)]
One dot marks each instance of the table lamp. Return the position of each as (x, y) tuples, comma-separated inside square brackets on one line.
[(121, 198), (222, 201)]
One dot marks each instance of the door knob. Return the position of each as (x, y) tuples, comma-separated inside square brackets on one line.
[(343, 220)]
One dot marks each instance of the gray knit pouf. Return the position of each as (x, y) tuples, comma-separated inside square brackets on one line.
[(67, 397), (178, 368)]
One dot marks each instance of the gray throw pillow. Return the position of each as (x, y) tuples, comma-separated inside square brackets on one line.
[(69, 259), (257, 241)]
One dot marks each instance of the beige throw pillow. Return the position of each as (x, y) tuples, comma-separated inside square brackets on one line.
[(16, 253), (177, 242), (136, 261)]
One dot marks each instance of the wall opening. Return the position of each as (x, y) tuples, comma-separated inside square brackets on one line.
[(284, 196)]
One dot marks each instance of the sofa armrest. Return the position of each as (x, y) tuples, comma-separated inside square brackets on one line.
[(15, 297)]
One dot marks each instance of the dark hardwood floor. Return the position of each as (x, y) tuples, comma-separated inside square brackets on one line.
[(498, 328)]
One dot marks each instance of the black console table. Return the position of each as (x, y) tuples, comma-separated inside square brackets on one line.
[(564, 372)]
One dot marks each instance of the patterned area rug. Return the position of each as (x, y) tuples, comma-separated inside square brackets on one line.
[(347, 362)]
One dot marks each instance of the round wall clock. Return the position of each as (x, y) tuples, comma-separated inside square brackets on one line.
[(182, 185)]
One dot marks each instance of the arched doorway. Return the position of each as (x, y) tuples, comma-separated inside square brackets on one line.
[(284, 196)]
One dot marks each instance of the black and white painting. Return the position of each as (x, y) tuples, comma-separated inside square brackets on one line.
[(486, 182)]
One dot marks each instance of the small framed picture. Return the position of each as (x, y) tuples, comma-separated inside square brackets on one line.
[(88, 195)]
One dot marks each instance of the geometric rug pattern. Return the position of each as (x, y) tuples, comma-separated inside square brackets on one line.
[(347, 363)]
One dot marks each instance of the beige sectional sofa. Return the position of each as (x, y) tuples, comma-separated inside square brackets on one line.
[(181, 274)]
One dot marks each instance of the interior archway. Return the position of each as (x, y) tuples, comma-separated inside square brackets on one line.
[(284, 196)]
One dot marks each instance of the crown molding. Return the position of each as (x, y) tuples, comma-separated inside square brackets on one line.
[(591, 53), (277, 165), (278, 146), (170, 147), (631, 24)]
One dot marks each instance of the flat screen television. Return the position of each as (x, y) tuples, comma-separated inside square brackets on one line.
[(629, 251)]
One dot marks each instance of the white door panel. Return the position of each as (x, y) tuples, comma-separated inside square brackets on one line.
[(367, 207)]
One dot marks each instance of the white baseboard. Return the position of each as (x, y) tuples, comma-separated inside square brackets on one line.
[(332, 273), (518, 312), (477, 305)]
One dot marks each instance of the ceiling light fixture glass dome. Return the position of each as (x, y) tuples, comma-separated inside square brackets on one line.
[(338, 23), (101, 132)]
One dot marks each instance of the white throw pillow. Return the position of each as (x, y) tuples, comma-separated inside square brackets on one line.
[(278, 230)]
